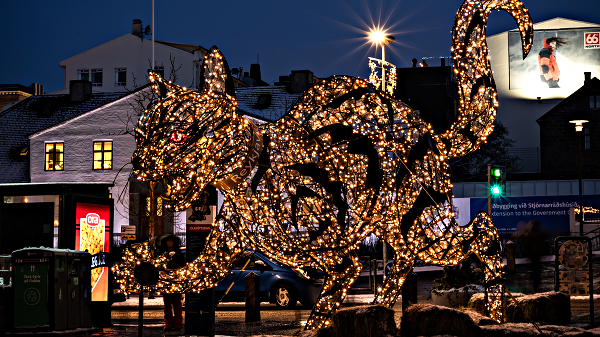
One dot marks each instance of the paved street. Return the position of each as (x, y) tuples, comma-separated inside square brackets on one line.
[(274, 321), (230, 316)]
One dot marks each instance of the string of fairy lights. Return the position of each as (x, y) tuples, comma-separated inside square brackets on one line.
[(345, 162)]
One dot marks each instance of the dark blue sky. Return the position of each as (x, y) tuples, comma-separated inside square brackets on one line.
[(326, 36)]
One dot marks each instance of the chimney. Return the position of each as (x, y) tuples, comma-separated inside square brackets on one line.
[(588, 76), (80, 90), (255, 72), (136, 27), (443, 61), (301, 80), (37, 89)]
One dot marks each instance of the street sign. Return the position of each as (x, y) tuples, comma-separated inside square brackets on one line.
[(127, 233), (387, 268)]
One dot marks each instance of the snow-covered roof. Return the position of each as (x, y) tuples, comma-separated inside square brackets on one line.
[(269, 102)]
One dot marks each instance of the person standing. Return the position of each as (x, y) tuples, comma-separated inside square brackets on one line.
[(549, 71), (534, 245), (173, 307)]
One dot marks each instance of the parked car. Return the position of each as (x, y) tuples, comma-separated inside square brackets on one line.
[(279, 284)]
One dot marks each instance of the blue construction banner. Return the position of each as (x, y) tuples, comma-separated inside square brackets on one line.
[(510, 214)]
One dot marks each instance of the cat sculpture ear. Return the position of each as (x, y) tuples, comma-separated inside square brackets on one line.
[(215, 74), (162, 87)]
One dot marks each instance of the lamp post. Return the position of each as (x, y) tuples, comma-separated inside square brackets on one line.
[(377, 36), (579, 129)]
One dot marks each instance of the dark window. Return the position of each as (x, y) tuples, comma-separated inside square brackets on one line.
[(263, 101), (54, 157), (103, 154), (594, 101), (83, 74), (120, 77), (96, 77), (587, 138)]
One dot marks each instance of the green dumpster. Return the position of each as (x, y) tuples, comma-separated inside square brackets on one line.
[(47, 288)]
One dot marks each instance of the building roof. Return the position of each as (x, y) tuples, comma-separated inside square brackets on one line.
[(594, 82), (190, 48), (269, 103), (31, 115)]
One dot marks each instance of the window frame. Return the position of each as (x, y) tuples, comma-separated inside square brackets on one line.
[(93, 72), (587, 138), (594, 102), (83, 71), (117, 72), (102, 152), (54, 153)]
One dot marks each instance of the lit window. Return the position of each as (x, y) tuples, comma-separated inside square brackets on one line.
[(120, 77), (103, 154), (54, 157), (83, 74), (159, 206), (96, 77)]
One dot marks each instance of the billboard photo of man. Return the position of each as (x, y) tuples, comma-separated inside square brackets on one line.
[(549, 71)]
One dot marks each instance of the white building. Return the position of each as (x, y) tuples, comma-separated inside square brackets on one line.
[(518, 96), (95, 146), (115, 65)]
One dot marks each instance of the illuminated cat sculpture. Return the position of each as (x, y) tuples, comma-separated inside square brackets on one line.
[(345, 162)]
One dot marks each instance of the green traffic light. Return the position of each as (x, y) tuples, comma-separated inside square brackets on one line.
[(496, 190), (497, 172)]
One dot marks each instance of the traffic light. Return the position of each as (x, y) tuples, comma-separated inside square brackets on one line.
[(498, 180)]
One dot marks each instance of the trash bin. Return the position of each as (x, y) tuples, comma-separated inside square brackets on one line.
[(79, 288), (47, 291), (5, 270)]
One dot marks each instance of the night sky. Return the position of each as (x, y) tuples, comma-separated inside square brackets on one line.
[(325, 36)]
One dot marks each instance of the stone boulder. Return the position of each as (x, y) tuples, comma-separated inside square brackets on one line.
[(477, 301), (478, 318), (514, 330), (367, 320), (550, 307), (431, 320)]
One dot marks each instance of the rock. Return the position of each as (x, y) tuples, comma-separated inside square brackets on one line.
[(431, 320), (476, 302), (479, 319), (514, 330), (583, 333), (367, 320), (550, 307), (323, 332), (560, 329)]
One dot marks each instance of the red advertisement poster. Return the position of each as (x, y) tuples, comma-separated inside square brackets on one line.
[(92, 234)]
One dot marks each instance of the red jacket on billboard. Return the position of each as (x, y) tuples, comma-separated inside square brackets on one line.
[(549, 71)]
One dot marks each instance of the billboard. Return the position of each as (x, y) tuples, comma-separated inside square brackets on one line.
[(510, 214), (92, 234), (554, 68)]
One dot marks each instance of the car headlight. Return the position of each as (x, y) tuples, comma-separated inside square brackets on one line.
[(302, 274)]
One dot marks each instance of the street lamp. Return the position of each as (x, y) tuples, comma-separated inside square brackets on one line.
[(579, 129), (379, 37)]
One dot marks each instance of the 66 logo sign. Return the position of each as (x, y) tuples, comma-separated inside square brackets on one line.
[(591, 40)]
